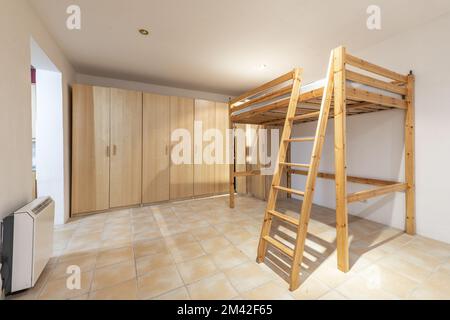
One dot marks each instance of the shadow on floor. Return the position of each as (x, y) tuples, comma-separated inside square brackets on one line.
[(364, 236)]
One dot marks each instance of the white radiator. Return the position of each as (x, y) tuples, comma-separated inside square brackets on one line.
[(27, 244)]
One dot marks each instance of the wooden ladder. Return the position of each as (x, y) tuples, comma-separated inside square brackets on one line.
[(297, 253)]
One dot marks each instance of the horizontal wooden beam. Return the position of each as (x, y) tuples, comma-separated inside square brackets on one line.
[(360, 78), (363, 95), (364, 195), (359, 180), (306, 116), (264, 87), (368, 66), (264, 98)]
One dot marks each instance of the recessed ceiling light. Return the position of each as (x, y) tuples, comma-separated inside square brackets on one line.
[(144, 32)]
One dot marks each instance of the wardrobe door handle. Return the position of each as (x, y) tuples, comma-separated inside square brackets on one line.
[(114, 150), (108, 152)]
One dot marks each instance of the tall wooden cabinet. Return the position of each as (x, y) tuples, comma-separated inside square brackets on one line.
[(182, 174), (204, 172), (90, 148), (210, 176), (156, 147), (106, 148), (126, 148)]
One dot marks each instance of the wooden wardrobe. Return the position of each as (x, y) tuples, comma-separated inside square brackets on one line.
[(106, 148), (210, 175), (182, 174), (125, 144), (156, 152)]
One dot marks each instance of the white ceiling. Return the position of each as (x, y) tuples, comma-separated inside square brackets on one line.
[(218, 45)]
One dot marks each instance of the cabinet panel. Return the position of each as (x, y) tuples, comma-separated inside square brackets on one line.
[(126, 148), (222, 170), (204, 173), (156, 141), (90, 148), (182, 175)]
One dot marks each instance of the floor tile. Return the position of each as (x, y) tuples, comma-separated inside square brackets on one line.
[(111, 275), (268, 291), (197, 269), (215, 244), (177, 294), (158, 282), (113, 256), (150, 263), (310, 289), (187, 252), (390, 281), (360, 288), (229, 257), (247, 276), (124, 291), (148, 247), (58, 290), (213, 288), (85, 262)]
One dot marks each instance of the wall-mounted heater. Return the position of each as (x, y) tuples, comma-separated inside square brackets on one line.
[(27, 244)]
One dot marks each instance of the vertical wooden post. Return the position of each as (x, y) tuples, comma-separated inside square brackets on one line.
[(410, 157), (232, 158), (340, 159)]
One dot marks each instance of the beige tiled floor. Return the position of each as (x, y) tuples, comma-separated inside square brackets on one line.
[(201, 249)]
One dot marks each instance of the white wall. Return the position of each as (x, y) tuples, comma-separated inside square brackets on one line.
[(375, 142), (49, 140), (18, 23), (151, 88)]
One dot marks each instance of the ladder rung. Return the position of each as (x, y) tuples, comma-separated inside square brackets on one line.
[(305, 116), (284, 217), (301, 139), (297, 192), (277, 244), (300, 165)]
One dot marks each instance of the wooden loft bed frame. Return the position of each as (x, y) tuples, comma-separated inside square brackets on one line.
[(353, 86)]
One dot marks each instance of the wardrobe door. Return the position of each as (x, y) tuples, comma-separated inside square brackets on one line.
[(222, 169), (126, 148), (204, 173), (156, 135), (90, 148), (181, 174)]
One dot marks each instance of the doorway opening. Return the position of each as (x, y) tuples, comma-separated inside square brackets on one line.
[(48, 146)]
